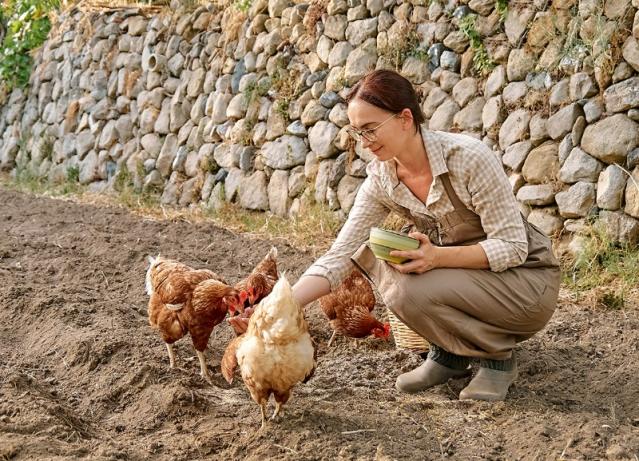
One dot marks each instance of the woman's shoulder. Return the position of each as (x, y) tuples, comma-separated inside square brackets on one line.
[(377, 170), (452, 142), (466, 156), (462, 149)]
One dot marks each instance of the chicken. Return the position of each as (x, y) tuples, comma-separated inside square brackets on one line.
[(349, 309), (174, 281), (256, 286), (275, 353), (184, 300), (260, 281)]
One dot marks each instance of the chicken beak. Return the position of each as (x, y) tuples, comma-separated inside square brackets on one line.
[(239, 304), (387, 330)]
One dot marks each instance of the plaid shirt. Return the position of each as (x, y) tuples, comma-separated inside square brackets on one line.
[(479, 180)]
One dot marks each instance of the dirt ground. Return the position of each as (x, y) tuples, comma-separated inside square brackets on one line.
[(84, 377)]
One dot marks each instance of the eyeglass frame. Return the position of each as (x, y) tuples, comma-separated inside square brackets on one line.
[(358, 135)]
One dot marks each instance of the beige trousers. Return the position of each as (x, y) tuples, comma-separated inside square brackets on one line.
[(469, 312)]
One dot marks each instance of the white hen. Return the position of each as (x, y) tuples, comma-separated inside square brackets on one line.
[(276, 352)]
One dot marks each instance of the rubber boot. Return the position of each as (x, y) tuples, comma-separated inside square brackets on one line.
[(428, 374), (490, 385)]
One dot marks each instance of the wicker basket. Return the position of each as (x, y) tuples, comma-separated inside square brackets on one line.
[(405, 338)]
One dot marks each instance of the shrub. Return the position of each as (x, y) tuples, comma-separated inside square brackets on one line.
[(27, 27)]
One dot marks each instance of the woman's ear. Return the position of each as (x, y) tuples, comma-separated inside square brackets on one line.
[(407, 118)]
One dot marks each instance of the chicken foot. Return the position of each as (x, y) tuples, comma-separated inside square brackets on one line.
[(204, 371), (169, 348), (354, 341)]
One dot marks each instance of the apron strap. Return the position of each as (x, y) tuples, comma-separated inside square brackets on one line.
[(450, 191)]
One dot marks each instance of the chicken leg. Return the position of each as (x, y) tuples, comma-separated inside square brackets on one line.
[(330, 341), (263, 411), (278, 408), (280, 399), (204, 371), (169, 348)]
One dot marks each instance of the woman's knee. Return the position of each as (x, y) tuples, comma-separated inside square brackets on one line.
[(535, 317)]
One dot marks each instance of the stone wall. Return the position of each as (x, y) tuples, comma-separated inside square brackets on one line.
[(218, 105)]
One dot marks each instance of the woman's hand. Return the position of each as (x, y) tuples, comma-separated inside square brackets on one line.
[(423, 259), (239, 324)]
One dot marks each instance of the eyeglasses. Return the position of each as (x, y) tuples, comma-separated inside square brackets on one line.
[(369, 134)]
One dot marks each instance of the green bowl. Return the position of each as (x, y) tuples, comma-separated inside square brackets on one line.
[(382, 242), (382, 252)]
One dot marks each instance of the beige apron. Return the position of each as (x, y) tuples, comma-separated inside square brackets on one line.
[(470, 312)]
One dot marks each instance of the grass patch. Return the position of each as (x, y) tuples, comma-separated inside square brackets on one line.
[(287, 84), (314, 14), (233, 18), (252, 93), (482, 62), (405, 44), (502, 9), (130, 196), (26, 180), (243, 5), (255, 90), (125, 195), (72, 184), (73, 174), (605, 271), (316, 228), (595, 44), (281, 107)]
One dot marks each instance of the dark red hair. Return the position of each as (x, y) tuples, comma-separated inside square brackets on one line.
[(389, 91)]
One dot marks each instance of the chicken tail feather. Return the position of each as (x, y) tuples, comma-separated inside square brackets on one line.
[(311, 373), (229, 360), (147, 279)]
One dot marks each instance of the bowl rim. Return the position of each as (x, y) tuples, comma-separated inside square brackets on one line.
[(390, 233)]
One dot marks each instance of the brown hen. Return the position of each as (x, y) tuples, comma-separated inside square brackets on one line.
[(349, 309), (184, 300), (260, 282), (174, 281)]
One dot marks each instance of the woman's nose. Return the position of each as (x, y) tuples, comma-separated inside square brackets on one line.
[(366, 143)]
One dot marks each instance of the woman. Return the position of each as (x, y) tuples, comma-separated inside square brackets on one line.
[(482, 279)]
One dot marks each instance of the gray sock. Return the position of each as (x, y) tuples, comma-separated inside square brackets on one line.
[(500, 365), (448, 359)]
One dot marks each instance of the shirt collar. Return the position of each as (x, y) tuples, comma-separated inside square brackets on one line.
[(434, 149), (435, 152)]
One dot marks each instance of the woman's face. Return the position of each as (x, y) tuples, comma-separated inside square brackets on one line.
[(389, 137)]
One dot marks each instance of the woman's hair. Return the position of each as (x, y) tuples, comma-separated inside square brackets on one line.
[(389, 91)]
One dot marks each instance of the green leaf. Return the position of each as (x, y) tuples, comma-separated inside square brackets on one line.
[(27, 25)]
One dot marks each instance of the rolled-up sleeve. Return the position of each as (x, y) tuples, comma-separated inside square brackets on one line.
[(368, 210), (491, 194)]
